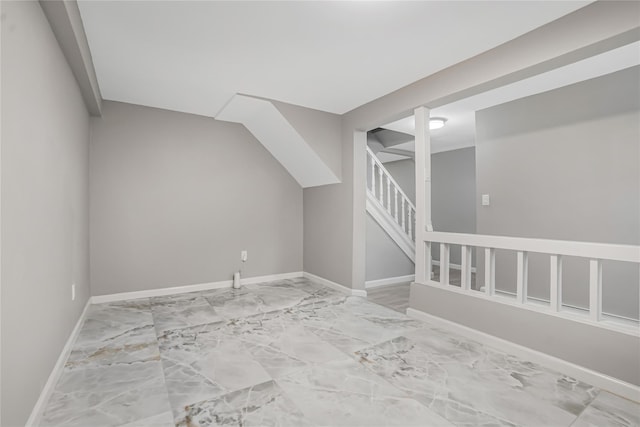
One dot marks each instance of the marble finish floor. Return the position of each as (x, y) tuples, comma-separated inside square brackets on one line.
[(395, 297), (294, 353)]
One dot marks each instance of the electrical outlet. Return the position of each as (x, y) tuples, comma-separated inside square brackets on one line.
[(243, 256), (73, 292)]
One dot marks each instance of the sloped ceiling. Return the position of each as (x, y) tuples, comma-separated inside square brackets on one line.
[(280, 138)]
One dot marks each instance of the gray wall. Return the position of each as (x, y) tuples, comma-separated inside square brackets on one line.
[(453, 186), (321, 130), (384, 258), (453, 192), (565, 165), (612, 353), (329, 222), (45, 136), (175, 198), (404, 173)]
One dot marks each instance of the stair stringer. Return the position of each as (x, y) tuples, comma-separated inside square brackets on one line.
[(391, 227)]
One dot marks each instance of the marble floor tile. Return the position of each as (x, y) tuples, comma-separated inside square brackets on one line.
[(280, 343), (609, 410), (169, 317), (165, 419), (105, 322), (293, 352), (484, 387), (137, 346), (347, 342), (279, 296), (237, 304), (319, 292), (276, 362), (267, 297), (383, 317), (120, 332), (204, 362), (394, 296), (343, 393), (260, 405), (350, 322), (261, 328), (107, 396)]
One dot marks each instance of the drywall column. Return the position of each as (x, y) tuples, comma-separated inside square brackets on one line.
[(358, 274), (423, 193)]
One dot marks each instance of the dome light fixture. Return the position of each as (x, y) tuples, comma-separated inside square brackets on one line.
[(436, 122)]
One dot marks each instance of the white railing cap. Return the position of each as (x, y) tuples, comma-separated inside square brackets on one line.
[(608, 251)]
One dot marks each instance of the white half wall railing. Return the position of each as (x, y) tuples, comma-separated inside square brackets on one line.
[(382, 188), (596, 253)]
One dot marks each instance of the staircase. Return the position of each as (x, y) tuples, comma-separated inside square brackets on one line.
[(390, 206)]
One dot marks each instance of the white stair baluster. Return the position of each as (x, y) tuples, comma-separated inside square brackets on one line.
[(402, 211), (404, 227), (395, 204), (381, 192), (373, 175), (388, 195)]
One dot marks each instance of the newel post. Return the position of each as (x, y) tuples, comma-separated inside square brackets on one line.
[(423, 194)]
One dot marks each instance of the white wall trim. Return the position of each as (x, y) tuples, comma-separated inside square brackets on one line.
[(359, 293), (389, 281), (581, 373), (336, 286), (99, 299), (609, 251), (45, 394)]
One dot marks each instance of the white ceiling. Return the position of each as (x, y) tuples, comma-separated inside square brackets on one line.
[(332, 56), (459, 130)]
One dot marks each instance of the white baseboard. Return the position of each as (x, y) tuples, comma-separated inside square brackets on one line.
[(359, 293), (390, 281), (270, 278), (99, 299), (336, 286), (45, 394), (606, 382)]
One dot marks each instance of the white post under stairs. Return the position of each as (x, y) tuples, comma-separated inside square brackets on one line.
[(423, 192)]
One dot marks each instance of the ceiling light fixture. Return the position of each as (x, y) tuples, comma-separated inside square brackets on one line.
[(436, 122)]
